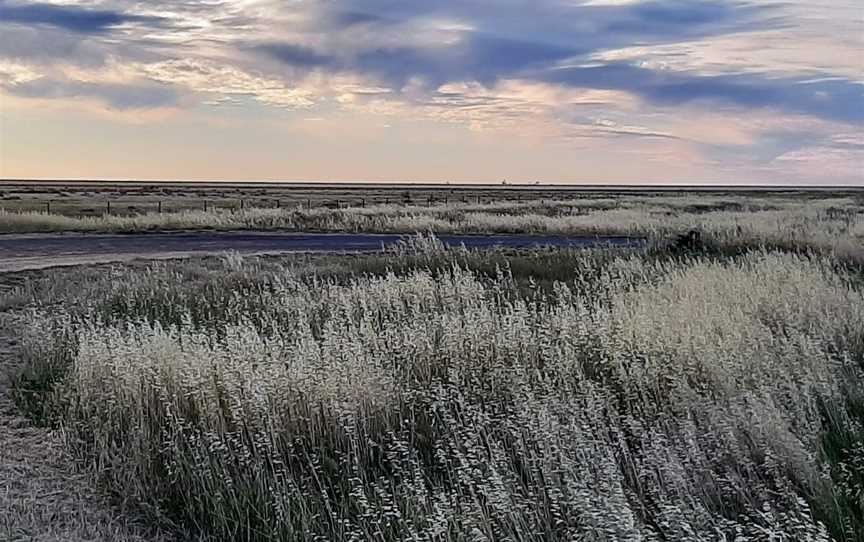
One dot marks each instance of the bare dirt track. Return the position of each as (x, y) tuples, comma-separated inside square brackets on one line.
[(37, 251)]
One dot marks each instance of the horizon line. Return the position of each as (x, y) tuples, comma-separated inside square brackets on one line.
[(503, 185)]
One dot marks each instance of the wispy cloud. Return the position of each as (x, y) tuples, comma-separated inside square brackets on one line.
[(114, 95), (69, 17), (829, 98)]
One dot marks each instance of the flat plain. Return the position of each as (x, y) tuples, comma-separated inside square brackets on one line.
[(92, 198), (702, 386)]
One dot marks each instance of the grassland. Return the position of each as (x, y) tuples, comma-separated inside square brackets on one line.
[(91, 199), (822, 221), (449, 395), (706, 392), (126, 199)]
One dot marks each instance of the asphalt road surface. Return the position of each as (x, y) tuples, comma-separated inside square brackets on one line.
[(37, 251)]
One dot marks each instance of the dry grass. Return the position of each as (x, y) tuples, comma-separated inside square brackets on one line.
[(645, 398), (43, 496), (835, 225)]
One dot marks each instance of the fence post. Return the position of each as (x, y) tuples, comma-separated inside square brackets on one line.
[(160, 206), (48, 207), (278, 205), (242, 204), (205, 205), (309, 203), (108, 206)]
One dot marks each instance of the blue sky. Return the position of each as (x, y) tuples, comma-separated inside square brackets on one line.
[(607, 91)]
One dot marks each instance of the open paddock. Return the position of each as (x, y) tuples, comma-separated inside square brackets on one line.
[(704, 387), (89, 199)]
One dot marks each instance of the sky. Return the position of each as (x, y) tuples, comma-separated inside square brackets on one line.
[(555, 91)]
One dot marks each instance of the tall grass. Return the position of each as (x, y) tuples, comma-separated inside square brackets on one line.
[(644, 399)]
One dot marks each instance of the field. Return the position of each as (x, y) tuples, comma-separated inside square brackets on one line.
[(130, 198), (703, 391), (831, 221), (91, 199)]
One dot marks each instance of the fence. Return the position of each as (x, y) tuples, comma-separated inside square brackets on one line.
[(130, 206)]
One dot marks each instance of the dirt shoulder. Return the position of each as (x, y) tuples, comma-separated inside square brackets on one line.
[(43, 497)]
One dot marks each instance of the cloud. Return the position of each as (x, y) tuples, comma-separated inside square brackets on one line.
[(487, 59), (114, 95), (479, 57), (445, 41), (225, 82), (296, 55), (68, 17), (475, 54), (564, 72), (830, 98), (353, 18), (659, 15), (415, 48)]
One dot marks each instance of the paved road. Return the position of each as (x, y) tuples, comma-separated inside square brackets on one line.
[(20, 252)]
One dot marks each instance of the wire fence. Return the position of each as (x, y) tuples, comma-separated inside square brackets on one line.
[(131, 206)]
